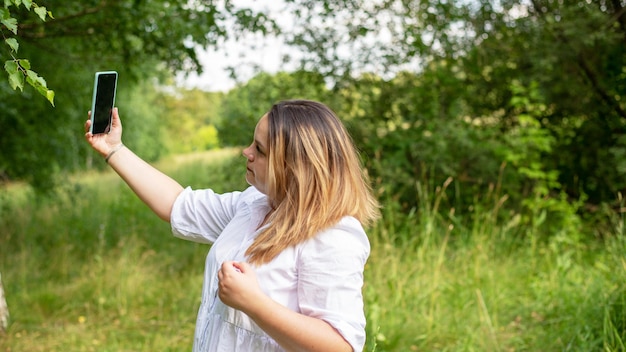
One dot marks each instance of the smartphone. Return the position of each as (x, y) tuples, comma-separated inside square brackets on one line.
[(103, 101)]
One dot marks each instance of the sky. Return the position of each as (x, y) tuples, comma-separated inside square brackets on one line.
[(266, 53)]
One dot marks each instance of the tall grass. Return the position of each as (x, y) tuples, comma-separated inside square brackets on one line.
[(95, 270), (492, 282)]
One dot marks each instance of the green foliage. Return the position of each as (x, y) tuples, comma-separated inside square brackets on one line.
[(19, 69), (190, 119), (525, 98), (527, 145), (243, 107), (141, 40), (407, 130), (21, 160), (570, 52), (477, 285), (465, 56), (206, 138), (142, 116)]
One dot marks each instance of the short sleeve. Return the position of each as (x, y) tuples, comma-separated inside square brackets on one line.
[(201, 215), (330, 279)]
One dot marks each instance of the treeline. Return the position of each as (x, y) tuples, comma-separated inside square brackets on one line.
[(512, 102)]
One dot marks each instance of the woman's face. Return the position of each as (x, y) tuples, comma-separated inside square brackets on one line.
[(257, 157)]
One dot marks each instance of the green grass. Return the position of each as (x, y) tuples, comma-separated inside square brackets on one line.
[(95, 270), (434, 284)]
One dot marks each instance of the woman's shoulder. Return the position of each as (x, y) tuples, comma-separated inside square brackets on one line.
[(346, 236), (349, 224), (252, 194)]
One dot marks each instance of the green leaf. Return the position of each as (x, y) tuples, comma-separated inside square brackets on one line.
[(47, 93), (50, 96), (10, 66), (12, 42), (8, 3), (27, 3), (41, 89), (25, 64), (16, 78), (31, 76), (34, 80), (42, 12), (40, 85), (10, 23)]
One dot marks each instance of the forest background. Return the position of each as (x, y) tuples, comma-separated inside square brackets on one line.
[(493, 133)]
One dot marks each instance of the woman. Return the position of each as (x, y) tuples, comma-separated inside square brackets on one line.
[(285, 269)]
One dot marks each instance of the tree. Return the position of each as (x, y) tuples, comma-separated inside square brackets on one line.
[(139, 39), (572, 52), (192, 117), (4, 309)]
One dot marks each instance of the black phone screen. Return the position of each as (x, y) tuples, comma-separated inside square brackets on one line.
[(104, 99)]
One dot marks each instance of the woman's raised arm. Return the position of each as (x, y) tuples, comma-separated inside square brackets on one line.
[(152, 186)]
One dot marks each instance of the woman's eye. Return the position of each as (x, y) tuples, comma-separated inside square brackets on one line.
[(258, 149)]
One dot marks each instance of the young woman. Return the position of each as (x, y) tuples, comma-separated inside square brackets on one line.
[(285, 269)]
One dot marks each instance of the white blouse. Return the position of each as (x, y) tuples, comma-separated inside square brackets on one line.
[(321, 277)]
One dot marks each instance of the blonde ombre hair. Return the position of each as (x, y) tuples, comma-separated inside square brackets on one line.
[(315, 178)]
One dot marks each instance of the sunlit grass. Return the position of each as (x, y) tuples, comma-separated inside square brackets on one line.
[(95, 270), (120, 301), (432, 285)]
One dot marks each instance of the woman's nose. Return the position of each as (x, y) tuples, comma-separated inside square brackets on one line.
[(246, 153)]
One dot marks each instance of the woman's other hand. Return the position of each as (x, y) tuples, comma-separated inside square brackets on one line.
[(238, 286)]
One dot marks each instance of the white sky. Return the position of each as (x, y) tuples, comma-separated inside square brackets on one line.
[(267, 53)]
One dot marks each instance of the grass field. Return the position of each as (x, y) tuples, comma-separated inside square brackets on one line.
[(94, 270)]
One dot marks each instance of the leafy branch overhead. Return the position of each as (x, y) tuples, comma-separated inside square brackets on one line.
[(19, 70)]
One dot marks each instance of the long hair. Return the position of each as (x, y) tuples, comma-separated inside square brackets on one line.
[(315, 178)]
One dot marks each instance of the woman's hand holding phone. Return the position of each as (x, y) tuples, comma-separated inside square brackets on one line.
[(105, 143)]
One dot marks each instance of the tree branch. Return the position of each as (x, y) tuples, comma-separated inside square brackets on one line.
[(588, 72), (595, 83), (619, 15), (59, 20)]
